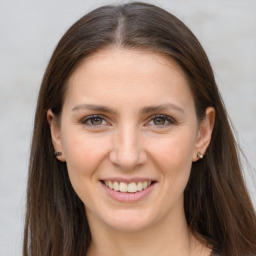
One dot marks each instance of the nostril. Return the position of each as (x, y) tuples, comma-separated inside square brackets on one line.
[(127, 160)]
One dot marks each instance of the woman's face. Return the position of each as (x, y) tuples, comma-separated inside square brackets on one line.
[(129, 134)]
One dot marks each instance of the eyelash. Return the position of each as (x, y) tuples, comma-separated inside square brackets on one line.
[(166, 118), (90, 118)]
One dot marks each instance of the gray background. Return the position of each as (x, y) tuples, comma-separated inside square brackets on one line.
[(29, 31)]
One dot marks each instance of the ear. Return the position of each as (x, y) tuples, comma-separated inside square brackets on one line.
[(56, 134), (204, 134)]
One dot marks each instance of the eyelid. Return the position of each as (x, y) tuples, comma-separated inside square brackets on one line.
[(171, 120), (87, 118)]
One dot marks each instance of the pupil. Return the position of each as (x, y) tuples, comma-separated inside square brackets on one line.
[(159, 121)]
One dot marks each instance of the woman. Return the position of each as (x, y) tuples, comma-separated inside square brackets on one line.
[(132, 152)]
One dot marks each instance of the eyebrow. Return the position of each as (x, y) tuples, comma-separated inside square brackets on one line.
[(100, 108), (162, 107), (145, 110)]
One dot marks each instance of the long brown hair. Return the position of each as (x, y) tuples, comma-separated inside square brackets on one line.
[(217, 206)]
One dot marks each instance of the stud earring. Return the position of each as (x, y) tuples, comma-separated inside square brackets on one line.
[(57, 153), (201, 156)]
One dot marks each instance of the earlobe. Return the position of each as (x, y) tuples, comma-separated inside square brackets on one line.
[(56, 135), (204, 134)]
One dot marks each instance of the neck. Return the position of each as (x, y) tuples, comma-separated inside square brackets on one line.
[(166, 238)]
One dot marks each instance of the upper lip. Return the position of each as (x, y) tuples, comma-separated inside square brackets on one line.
[(128, 180)]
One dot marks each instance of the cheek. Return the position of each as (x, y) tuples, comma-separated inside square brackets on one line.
[(173, 148), (83, 151), (83, 155), (173, 157)]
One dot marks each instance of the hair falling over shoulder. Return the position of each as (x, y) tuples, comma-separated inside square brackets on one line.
[(217, 205)]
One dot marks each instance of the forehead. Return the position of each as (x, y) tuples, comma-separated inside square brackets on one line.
[(127, 61), (128, 75)]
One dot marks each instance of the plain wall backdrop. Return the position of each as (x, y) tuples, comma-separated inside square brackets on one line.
[(29, 32)]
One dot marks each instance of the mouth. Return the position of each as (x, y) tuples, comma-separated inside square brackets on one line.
[(131, 187)]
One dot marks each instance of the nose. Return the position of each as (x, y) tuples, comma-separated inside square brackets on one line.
[(127, 150)]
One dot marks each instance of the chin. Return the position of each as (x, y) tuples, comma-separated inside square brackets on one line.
[(129, 221)]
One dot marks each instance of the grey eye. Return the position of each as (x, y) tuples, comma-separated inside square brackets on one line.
[(159, 121), (96, 120)]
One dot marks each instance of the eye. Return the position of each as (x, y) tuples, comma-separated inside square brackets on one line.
[(94, 120), (161, 120)]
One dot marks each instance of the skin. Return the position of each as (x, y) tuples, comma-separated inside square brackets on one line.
[(127, 142)]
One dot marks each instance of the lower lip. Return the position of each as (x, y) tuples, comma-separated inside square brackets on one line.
[(128, 197)]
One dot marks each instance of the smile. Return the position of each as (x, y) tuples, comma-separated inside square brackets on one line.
[(131, 187)]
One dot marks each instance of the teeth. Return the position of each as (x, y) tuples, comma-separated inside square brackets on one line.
[(110, 184), (132, 187), (116, 186), (144, 184), (139, 186), (124, 187)]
